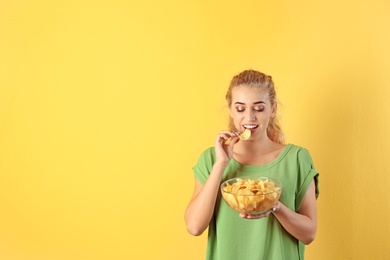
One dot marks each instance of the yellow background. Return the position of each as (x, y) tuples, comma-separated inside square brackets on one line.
[(106, 105)]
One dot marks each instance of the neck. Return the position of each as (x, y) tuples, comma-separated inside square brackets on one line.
[(256, 152), (258, 146)]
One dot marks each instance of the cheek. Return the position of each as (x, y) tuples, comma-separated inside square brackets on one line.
[(236, 116), (264, 119), (236, 119), (232, 113)]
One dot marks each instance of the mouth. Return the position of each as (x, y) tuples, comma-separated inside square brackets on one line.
[(250, 126)]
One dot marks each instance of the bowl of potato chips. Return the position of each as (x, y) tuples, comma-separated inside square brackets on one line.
[(251, 195)]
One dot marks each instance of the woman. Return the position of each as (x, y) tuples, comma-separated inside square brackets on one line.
[(280, 233)]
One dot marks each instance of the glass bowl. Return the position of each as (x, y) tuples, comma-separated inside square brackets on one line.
[(251, 195)]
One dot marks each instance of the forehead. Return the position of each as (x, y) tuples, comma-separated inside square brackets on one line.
[(248, 95)]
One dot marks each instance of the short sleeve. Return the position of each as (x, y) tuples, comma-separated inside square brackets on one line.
[(204, 165), (307, 173)]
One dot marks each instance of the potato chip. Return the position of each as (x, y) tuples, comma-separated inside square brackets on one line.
[(245, 135)]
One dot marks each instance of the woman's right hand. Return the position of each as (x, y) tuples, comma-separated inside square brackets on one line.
[(224, 151)]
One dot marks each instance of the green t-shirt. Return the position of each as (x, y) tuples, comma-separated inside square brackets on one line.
[(233, 238)]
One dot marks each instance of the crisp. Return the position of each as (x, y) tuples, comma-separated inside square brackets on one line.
[(243, 136)]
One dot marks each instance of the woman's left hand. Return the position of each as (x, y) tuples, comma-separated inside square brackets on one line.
[(263, 215)]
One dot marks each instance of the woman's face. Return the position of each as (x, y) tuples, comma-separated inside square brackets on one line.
[(251, 109)]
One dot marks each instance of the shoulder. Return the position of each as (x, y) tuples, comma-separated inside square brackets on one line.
[(210, 151), (207, 156), (297, 150), (298, 155), (307, 171), (205, 164)]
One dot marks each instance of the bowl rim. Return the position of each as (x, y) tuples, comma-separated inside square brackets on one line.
[(279, 188)]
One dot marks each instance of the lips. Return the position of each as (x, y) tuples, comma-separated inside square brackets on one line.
[(250, 126)]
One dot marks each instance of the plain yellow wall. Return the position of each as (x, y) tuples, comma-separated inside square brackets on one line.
[(106, 105)]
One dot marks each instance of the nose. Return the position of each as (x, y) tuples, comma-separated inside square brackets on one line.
[(251, 116)]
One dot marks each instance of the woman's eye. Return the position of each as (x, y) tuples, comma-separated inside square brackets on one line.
[(240, 109), (259, 109)]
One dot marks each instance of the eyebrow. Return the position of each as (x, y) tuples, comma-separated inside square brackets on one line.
[(255, 103)]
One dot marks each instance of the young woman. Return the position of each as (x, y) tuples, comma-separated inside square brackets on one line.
[(280, 233)]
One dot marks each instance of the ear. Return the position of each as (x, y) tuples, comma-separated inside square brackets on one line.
[(274, 109)]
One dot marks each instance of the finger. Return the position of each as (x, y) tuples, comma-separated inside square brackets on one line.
[(232, 139), (221, 138), (225, 134), (255, 216)]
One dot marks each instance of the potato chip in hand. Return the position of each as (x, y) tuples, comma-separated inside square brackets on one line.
[(245, 135)]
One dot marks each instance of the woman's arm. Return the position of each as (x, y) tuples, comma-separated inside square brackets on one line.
[(302, 224), (201, 207)]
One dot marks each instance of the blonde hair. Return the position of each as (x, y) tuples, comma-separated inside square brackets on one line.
[(253, 78)]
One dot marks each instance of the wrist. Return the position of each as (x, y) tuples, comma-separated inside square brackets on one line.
[(221, 164), (277, 207)]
